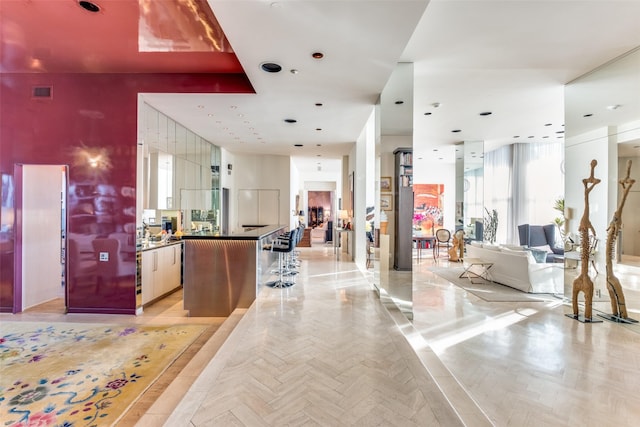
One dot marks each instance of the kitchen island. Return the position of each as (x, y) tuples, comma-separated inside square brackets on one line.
[(225, 272)]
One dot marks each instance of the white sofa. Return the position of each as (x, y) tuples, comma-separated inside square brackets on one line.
[(516, 268)]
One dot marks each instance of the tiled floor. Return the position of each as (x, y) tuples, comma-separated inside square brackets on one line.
[(327, 352)]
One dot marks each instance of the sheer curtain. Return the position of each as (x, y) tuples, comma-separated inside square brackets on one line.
[(523, 181), (498, 189)]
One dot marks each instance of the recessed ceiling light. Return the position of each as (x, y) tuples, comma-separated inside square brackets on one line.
[(427, 113), (318, 145), (317, 55), (588, 115), (318, 128), (560, 131), (201, 106), (516, 136), (613, 107), (298, 145), (294, 71), (456, 130), (486, 113), (210, 115), (546, 136), (435, 149), (270, 67), (399, 102), (547, 124), (89, 6), (318, 155), (318, 104), (290, 121), (530, 136)]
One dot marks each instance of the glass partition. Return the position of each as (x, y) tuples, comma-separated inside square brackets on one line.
[(602, 122), (394, 195), (473, 185), (181, 173)]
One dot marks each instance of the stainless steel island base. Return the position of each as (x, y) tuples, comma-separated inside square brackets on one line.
[(222, 273)]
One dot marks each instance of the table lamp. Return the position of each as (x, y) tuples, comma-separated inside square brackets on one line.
[(342, 216)]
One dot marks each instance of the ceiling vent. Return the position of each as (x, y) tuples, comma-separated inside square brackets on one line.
[(42, 92)]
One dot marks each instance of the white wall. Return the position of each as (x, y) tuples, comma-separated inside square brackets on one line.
[(294, 179)]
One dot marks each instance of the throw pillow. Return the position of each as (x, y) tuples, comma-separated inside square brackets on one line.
[(546, 248)]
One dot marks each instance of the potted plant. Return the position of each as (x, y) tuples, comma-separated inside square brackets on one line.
[(490, 226), (560, 220)]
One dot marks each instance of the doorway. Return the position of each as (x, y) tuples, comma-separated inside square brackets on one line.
[(41, 236)]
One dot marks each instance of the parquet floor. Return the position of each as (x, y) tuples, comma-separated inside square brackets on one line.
[(324, 352)]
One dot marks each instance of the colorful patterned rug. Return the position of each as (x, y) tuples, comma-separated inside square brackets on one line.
[(81, 374)]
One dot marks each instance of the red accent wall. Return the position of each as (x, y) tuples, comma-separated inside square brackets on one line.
[(89, 113)]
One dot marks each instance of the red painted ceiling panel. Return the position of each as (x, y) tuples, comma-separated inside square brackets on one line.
[(132, 36)]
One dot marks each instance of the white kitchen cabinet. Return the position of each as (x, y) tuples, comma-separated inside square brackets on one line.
[(161, 271)]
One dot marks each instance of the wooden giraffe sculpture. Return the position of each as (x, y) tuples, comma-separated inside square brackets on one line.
[(618, 306), (583, 281)]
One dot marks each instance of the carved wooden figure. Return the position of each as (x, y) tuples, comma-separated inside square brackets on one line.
[(613, 283), (583, 282), (456, 253)]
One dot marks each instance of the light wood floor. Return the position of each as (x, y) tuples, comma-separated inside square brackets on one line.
[(329, 352)]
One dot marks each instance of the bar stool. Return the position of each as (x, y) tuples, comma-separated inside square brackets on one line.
[(283, 250), (288, 267), (294, 254)]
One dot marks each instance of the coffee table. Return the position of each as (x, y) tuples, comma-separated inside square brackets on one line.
[(476, 268)]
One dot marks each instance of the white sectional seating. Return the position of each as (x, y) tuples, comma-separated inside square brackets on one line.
[(516, 268)]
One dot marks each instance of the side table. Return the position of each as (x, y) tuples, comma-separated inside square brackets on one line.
[(475, 268)]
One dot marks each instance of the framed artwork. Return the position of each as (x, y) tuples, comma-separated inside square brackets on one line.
[(428, 207), (385, 184), (386, 202)]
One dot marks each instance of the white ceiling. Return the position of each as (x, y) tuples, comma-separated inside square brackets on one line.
[(509, 57)]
